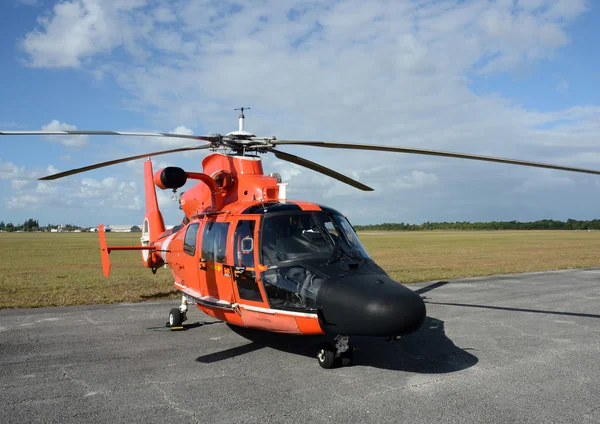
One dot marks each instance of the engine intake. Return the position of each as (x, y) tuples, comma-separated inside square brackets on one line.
[(170, 177)]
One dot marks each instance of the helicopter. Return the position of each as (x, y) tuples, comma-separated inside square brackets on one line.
[(247, 255)]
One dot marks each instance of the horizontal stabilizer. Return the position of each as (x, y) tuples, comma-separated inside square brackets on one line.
[(105, 250)]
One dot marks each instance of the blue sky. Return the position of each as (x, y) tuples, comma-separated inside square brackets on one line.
[(506, 78)]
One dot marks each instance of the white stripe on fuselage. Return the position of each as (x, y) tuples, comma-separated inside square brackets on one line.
[(225, 304), (165, 247), (277, 311)]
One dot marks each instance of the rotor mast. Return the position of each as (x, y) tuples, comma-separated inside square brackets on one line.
[(240, 137), (241, 118)]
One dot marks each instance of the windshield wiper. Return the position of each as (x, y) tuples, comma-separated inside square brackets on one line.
[(335, 255)]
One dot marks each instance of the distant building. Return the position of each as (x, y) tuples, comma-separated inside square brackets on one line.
[(124, 228)]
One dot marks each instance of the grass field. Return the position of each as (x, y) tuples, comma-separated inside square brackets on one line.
[(59, 269)]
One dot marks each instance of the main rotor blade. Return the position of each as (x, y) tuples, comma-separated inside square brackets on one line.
[(319, 168), (210, 138), (335, 145), (116, 161)]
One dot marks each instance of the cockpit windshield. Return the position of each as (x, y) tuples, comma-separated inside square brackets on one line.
[(290, 237), (307, 235), (292, 246)]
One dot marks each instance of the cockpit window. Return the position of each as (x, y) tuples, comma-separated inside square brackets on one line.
[(214, 241), (298, 248), (343, 235), (290, 237), (292, 287), (351, 236)]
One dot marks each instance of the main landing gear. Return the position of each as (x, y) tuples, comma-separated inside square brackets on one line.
[(178, 315), (338, 354)]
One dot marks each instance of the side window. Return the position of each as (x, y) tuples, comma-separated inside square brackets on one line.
[(189, 243), (244, 257), (214, 241), (244, 244)]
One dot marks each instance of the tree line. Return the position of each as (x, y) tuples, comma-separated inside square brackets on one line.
[(32, 225), (543, 224)]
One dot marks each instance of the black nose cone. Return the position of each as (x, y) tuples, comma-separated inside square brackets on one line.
[(369, 306)]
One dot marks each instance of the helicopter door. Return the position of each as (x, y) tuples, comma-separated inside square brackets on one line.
[(187, 265), (253, 309), (244, 260), (215, 280)]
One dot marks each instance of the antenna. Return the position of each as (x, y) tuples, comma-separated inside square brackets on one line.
[(241, 117)]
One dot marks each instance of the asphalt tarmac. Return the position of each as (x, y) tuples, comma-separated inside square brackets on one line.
[(518, 348)]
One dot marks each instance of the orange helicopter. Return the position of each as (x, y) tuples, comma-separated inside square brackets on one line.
[(247, 255)]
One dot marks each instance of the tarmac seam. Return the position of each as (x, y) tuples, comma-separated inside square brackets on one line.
[(172, 404), (591, 411)]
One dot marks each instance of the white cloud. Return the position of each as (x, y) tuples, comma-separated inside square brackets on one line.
[(417, 179), (183, 130), (18, 177), (51, 169), (287, 171), (373, 72), (67, 140), (165, 199), (10, 171), (24, 201), (547, 182), (562, 87), (164, 14), (78, 29), (44, 188), (17, 184), (88, 193)]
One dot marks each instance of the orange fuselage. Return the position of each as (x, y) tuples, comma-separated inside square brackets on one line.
[(213, 271)]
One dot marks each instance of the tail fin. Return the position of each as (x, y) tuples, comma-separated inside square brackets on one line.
[(153, 225), (104, 251)]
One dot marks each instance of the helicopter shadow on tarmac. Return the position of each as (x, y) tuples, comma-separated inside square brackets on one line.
[(426, 351)]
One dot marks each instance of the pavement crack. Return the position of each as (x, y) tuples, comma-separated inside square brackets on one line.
[(90, 391), (89, 319), (591, 411), (66, 376), (173, 404), (521, 332)]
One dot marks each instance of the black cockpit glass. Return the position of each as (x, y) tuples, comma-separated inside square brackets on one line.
[(292, 237), (294, 245), (352, 239), (298, 236), (292, 287)]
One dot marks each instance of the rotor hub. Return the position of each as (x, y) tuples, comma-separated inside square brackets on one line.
[(240, 134)]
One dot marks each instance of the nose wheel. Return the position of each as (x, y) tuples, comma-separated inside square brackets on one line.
[(326, 355), (175, 319), (177, 316), (334, 355)]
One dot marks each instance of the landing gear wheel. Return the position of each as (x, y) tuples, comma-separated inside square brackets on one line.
[(175, 318), (326, 356), (347, 357)]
